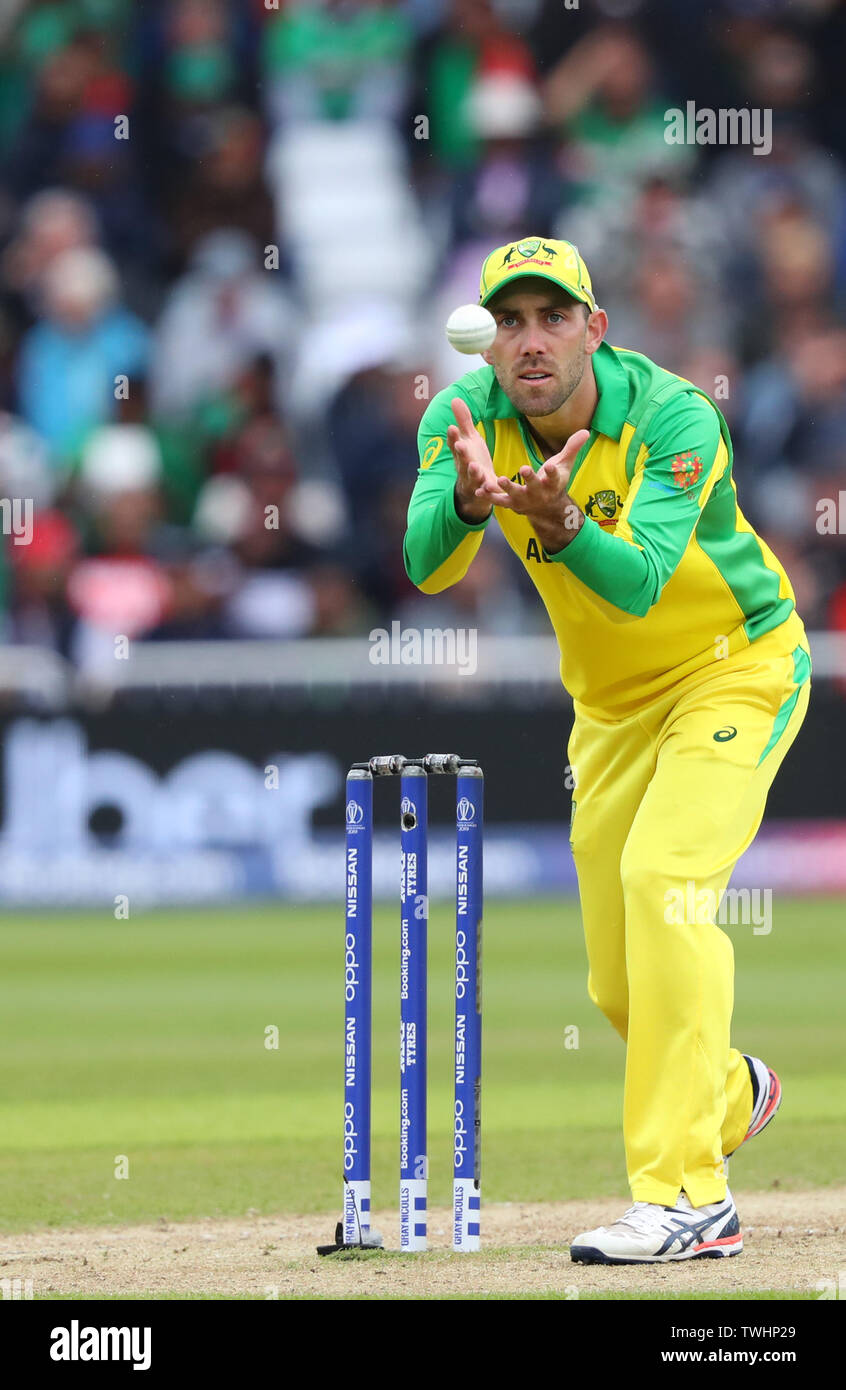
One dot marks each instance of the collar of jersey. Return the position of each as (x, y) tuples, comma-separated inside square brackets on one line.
[(608, 417), (613, 386)]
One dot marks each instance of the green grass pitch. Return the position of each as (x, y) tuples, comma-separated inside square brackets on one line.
[(147, 1038)]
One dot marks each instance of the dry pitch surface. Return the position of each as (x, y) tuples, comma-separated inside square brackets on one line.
[(793, 1241)]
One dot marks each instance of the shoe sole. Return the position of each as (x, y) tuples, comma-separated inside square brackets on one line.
[(773, 1102), (772, 1105), (711, 1250)]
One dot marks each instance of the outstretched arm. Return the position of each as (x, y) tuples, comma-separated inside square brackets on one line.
[(446, 517)]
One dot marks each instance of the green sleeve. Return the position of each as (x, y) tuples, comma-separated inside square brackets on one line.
[(685, 458), (439, 546)]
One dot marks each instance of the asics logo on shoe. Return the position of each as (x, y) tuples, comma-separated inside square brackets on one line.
[(690, 1232)]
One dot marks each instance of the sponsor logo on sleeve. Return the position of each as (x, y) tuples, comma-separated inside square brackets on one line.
[(433, 448), (687, 469)]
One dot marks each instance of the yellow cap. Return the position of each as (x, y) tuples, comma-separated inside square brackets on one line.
[(558, 261)]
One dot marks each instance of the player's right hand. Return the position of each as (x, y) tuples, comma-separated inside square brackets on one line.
[(473, 465)]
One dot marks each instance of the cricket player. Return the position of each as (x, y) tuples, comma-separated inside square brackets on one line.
[(689, 669)]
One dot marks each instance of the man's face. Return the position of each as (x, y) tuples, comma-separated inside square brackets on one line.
[(542, 344)]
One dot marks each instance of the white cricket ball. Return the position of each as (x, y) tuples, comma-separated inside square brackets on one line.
[(470, 328)]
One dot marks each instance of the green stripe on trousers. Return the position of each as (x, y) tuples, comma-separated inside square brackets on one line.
[(801, 672)]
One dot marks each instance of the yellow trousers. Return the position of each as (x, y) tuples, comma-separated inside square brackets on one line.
[(665, 802)]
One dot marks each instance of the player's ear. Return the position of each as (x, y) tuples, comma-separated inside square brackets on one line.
[(595, 330), (488, 357)]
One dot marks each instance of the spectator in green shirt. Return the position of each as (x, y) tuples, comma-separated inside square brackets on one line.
[(337, 60)]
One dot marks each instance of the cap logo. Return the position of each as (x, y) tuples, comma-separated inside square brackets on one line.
[(527, 249)]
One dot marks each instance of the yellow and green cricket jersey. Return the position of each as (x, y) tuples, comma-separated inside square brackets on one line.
[(664, 576)]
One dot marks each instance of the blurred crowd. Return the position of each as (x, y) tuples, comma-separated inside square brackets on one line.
[(231, 232)]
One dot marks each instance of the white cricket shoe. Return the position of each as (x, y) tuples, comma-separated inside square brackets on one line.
[(651, 1234)]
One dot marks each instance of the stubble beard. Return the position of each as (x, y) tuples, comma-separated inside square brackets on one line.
[(536, 402)]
